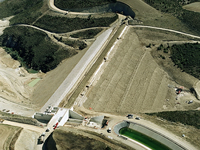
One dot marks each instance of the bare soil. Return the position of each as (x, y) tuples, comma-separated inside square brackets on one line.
[(27, 140), (14, 81), (7, 133)]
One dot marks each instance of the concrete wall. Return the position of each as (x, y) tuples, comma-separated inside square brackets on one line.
[(155, 135), (119, 126), (41, 116), (75, 120), (74, 115), (97, 119), (64, 118)]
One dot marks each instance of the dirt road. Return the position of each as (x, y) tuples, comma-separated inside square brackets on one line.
[(115, 119), (170, 30)]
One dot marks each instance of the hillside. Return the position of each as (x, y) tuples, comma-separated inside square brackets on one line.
[(80, 3), (32, 48), (189, 18)]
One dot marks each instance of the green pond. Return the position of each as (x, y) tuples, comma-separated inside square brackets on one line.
[(143, 139)]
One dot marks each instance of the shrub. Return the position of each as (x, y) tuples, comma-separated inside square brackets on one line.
[(69, 4), (191, 117), (32, 48), (86, 34), (61, 25)]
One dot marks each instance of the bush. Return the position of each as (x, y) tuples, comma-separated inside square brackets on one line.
[(75, 44), (25, 11), (191, 117), (32, 48), (62, 25), (192, 19), (86, 34), (186, 57), (70, 4)]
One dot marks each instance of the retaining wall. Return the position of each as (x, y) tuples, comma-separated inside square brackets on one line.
[(119, 126), (155, 135)]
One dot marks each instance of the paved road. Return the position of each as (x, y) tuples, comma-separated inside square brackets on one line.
[(78, 71)]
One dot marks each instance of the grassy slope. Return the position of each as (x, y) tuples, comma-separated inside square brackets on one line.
[(189, 18), (74, 141), (86, 34), (32, 48), (186, 57), (25, 11), (18, 118), (152, 17), (190, 117), (69, 4), (70, 24)]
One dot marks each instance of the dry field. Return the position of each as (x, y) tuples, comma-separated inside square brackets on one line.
[(7, 134), (193, 7), (133, 82)]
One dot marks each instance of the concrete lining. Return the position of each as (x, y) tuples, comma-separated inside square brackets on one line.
[(149, 132)]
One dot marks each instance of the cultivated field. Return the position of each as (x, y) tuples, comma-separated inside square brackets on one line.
[(132, 81), (7, 134)]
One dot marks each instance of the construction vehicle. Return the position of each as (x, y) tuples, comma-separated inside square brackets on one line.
[(1, 120), (41, 139)]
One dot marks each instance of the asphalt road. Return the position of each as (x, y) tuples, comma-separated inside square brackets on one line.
[(78, 71)]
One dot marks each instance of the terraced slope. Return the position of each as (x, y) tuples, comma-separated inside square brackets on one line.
[(131, 82), (7, 134)]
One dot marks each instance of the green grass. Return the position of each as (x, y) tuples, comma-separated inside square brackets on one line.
[(191, 117), (141, 138), (34, 82), (62, 25), (70, 4), (86, 34), (32, 71)]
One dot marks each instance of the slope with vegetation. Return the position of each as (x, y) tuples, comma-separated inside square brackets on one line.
[(25, 11), (184, 56), (32, 48), (70, 4), (86, 34), (190, 18), (61, 25), (190, 117)]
